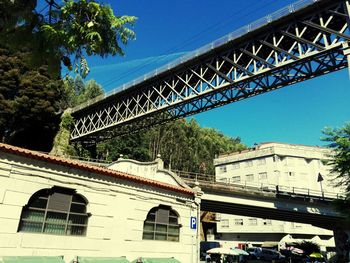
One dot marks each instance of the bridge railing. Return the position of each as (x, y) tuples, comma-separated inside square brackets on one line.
[(205, 179), (221, 41)]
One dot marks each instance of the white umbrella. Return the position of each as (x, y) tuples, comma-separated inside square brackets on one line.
[(240, 251), (223, 251), (295, 250)]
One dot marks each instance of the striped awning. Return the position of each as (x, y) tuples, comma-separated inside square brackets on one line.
[(102, 260), (156, 260), (31, 259)]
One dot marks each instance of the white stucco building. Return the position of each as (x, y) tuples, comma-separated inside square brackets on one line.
[(51, 206), (294, 168)]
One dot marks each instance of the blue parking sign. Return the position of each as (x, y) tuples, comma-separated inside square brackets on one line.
[(193, 222)]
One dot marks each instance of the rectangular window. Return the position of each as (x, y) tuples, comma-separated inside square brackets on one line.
[(290, 174), (249, 177), (253, 221), (222, 169), (239, 222), (235, 166), (267, 222), (263, 176), (261, 161), (248, 163), (225, 223), (236, 179), (276, 158)]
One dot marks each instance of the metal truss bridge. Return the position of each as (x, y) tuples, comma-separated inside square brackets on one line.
[(302, 41)]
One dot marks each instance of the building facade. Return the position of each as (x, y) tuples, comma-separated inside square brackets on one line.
[(51, 206), (286, 167)]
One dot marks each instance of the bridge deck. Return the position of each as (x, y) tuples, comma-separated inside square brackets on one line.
[(299, 42)]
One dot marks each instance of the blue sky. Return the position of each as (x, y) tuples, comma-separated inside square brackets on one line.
[(168, 29)]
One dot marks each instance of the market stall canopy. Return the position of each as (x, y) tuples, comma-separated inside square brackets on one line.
[(31, 259), (240, 251), (223, 251), (156, 260), (102, 260)]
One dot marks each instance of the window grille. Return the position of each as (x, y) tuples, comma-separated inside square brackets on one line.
[(161, 224), (267, 222), (236, 179), (235, 166), (253, 221), (248, 163), (225, 223), (223, 169), (249, 177), (57, 211), (238, 221), (261, 161), (263, 176)]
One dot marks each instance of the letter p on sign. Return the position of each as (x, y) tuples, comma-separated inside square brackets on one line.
[(193, 222)]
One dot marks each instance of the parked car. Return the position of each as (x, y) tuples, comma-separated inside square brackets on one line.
[(265, 254), (269, 255), (254, 252)]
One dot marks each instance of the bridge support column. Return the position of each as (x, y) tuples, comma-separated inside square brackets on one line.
[(342, 241)]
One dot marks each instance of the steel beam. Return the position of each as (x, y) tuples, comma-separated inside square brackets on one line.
[(302, 46)]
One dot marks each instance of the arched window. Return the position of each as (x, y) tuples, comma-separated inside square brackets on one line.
[(161, 224), (58, 211)]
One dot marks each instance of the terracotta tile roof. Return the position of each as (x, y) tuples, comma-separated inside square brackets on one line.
[(90, 168)]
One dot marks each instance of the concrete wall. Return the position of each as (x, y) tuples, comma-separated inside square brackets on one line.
[(118, 209)]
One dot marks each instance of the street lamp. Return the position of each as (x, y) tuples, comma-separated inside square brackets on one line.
[(320, 179)]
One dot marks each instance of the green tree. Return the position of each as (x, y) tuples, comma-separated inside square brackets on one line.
[(339, 160), (91, 90), (339, 142), (33, 45), (28, 103), (71, 29), (76, 91)]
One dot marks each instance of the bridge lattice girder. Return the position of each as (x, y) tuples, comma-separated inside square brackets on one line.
[(300, 46)]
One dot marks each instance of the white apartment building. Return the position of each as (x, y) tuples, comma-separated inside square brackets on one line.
[(297, 168)]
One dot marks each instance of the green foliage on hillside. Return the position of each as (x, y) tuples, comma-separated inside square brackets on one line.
[(76, 91), (183, 145)]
